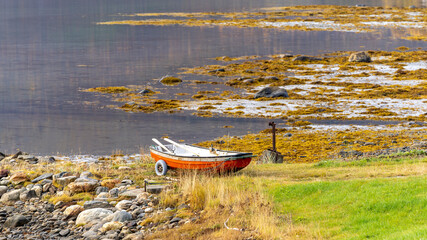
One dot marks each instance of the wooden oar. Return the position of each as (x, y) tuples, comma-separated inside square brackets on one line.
[(181, 146), (161, 145)]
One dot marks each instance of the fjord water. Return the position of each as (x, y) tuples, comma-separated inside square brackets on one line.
[(51, 49)]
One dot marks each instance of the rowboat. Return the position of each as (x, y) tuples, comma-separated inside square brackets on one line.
[(186, 156)]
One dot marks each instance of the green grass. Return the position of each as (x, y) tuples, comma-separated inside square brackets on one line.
[(396, 158), (388, 208)]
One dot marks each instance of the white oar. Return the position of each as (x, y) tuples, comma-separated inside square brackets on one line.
[(161, 145), (181, 146)]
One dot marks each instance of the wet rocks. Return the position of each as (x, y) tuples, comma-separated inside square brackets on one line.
[(271, 92), (359, 57)]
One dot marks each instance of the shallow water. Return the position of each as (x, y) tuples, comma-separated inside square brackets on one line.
[(51, 49)]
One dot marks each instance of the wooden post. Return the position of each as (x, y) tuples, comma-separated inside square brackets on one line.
[(273, 125)]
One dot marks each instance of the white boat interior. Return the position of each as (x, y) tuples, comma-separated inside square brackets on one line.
[(193, 151)]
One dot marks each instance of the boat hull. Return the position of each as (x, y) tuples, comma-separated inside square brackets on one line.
[(218, 164)]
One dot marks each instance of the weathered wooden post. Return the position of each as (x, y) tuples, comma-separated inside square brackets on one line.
[(272, 155)]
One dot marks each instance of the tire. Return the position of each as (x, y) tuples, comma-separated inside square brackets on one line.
[(161, 168)]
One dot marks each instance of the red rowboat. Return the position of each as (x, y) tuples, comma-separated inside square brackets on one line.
[(185, 156)]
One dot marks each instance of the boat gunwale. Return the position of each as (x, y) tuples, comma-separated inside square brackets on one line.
[(239, 155)]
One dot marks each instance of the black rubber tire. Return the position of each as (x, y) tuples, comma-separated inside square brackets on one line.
[(161, 168)]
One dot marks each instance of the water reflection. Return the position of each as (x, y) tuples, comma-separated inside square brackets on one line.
[(50, 49)]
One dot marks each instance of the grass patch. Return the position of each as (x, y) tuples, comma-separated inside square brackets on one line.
[(357, 209)]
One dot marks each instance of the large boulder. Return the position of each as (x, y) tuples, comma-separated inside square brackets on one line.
[(271, 92), (16, 221), (10, 197), (92, 216), (18, 178), (73, 211), (359, 57)]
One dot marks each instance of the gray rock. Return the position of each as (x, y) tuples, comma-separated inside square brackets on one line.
[(62, 174), (103, 195), (121, 216), (86, 175), (114, 192), (101, 189), (78, 187), (359, 57), (73, 211), (3, 190), (271, 78), (124, 205), (64, 232), (92, 216), (4, 182), (27, 195), (145, 91), (47, 160), (64, 181), (133, 193), (127, 182), (16, 155), (183, 206), (90, 235), (86, 180), (306, 58), (38, 190), (16, 221), (28, 158), (96, 204), (42, 177), (11, 196), (271, 92), (175, 220), (149, 210), (345, 154)]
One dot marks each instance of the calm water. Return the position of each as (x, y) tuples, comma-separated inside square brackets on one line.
[(49, 49)]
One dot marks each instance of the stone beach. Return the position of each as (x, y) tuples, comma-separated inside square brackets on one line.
[(43, 207)]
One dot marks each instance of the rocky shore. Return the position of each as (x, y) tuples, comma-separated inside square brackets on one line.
[(76, 204)]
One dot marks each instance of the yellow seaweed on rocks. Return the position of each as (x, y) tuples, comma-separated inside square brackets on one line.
[(304, 18), (298, 145)]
